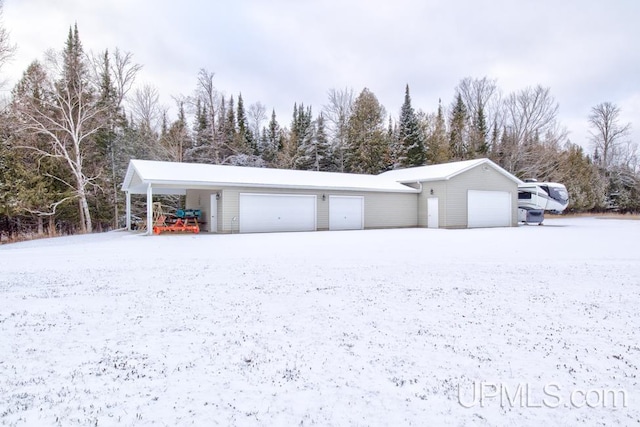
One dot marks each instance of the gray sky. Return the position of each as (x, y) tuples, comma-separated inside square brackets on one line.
[(283, 51)]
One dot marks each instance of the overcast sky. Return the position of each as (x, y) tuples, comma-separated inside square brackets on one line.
[(283, 51)]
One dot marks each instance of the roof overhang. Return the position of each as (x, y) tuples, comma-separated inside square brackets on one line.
[(484, 163), (136, 183)]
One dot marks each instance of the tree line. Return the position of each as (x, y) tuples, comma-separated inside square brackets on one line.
[(75, 119)]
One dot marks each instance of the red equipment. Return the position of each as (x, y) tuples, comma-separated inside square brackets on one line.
[(185, 222)]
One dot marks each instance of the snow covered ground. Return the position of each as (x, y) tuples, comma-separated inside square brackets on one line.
[(511, 326)]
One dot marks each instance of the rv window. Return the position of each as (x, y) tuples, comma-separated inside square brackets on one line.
[(559, 194), (524, 195)]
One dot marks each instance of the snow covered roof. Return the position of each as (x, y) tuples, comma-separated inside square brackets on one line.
[(174, 178), (442, 171)]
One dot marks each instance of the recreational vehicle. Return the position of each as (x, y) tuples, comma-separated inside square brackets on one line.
[(534, 198)]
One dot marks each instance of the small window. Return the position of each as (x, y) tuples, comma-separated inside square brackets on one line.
[(524, 195)]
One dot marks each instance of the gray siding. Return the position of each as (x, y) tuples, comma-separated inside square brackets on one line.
[(200, 199), (482, 177), (381, 210), (390, 210), (440, 191)]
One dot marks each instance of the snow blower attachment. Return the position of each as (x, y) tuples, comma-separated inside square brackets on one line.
[(184, 220)]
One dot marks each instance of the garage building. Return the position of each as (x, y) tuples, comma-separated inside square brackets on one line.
[(244, 199), (475, 193), (468, 194)]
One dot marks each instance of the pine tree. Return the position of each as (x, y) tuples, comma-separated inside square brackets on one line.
[(324, 156), (437, 141), (74, 67), (458, 129), (367, 148), (230, 131), (287, 156), (396, 148), (479, 134), (107, 140), (495, 141), (270, 141), (303, 138), (410, 137), (245, 143), (201, 150), (201, 125)]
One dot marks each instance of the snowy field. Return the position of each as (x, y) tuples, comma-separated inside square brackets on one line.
[(511, 326)]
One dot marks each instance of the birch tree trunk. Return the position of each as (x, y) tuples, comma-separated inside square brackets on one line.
[(66, 121)]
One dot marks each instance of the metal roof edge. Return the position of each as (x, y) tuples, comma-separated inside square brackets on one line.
[(209, 184), (497, 167), (131, 169), (467, 168)]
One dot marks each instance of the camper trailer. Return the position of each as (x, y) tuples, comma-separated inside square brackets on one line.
[(534, 198)]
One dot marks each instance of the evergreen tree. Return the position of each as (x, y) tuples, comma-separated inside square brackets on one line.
[(107, 139), (410, 137), (457, 130), (272, 143), (479, 134), (581, 177), (303, 138), (438, 148), (74, 72), (495, 141), (290, 141), (245, 143), (201, 150), (201, 125), (367, 148), (396, 148), (228, 128), (324, 156)]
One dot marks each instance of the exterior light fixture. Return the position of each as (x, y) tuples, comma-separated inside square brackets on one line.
[(217, 196), (431, 191), (324, 197)]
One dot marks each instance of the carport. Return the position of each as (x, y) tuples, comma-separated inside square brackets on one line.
[(248, 200)]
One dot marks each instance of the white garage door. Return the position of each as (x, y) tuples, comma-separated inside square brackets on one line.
[(346, 212), (277, 212), (488, 209)]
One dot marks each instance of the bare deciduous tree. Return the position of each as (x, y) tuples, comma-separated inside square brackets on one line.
[(67, 117), (145, 108), (482, 100), (124, 72), (6, 48), (608, 132), (530, 111), (257, 115), (531, 131), (480, 94), (337, 113), (210, 98)]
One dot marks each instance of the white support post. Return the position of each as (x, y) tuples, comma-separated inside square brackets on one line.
[(128, 199), (149, 210)]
